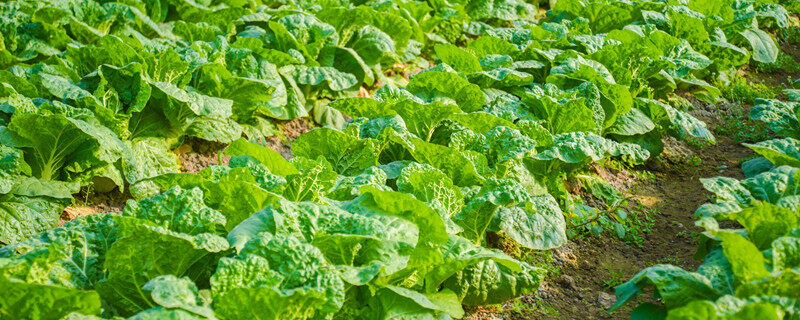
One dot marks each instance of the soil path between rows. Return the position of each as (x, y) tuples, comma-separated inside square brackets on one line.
[(673, 195), (667, 190)]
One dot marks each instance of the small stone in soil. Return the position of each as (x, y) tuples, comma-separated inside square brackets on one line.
[(568, 281), (606, 300)]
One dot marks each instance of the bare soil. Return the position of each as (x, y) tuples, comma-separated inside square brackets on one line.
[(195, 155), (87, 202), (290, 130)]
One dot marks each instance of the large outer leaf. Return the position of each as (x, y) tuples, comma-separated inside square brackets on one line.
[(22, 300), (422, 119), (146, 158), (460, 59), (727, 190), (144, 252), (457, 164), (779, 151), (538, 224), (351, 20), (603, 16), (445, 301), (477, 215), (178, 210), (314, 34), (682, 124), (561, 117), (675, 286), (181, 106), (491, 282), (130, 83), (509, 10), (371, 44), (632, 123), (176, 296), (719, 8), (248, 95), (348, 155), (766, 222), (110, 50), (786, 253), (58, 143), (460, 253), (336, 80), (20, 185), (481, 122), (233, 198), (747, 263), (577, 147), (400, 303), (430, 228), (505, 143), (763, 46), (428, 184), (501, 78), (268, 157), (71, 256), (22, 217), (215, 129), (781, 117), (305, 284), (308, 221), (363, 107), (687, 26), (264, 303), (316, 177), (447, 87), (773, 185)]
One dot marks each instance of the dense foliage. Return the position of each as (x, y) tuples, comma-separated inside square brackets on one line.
[(384, 211)]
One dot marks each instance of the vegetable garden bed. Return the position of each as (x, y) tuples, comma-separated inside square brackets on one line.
[(441, 127)]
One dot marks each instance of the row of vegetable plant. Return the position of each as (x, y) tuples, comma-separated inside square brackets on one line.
[(383, 215)]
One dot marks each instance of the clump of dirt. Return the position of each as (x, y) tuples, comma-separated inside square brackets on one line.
[(290, 130), (197, 154), (622, 180), (363, 93), (401, 70), (88, 202)]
